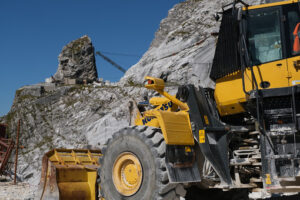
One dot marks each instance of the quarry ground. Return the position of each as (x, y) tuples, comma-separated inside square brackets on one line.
[(9, 191), (25, 191)]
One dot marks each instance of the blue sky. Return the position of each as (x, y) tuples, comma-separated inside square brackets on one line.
[(33, 32)]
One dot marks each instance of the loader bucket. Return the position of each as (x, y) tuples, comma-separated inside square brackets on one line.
[(69, 174)]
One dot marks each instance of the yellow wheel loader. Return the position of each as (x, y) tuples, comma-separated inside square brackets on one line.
[(242, 134)]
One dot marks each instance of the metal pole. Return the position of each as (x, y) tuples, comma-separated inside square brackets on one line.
[(17, 147)]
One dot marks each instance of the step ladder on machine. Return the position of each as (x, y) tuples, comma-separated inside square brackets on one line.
[(282, 155)]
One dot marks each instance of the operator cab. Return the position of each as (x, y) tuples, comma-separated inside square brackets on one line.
[(261, 51), (273, 33)]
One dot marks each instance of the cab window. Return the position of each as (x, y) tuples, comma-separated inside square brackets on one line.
[(264, 35)]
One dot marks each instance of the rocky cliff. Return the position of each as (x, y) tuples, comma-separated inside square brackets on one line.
[(74, 116), (183, 48), (77, 61), (85, 116)]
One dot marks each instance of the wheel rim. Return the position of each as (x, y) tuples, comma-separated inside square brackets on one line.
[(127, 174)]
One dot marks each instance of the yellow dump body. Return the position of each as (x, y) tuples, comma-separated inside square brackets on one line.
[(69, 174)]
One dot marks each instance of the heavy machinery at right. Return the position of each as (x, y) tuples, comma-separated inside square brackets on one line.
[(242, 134), (256, 67)]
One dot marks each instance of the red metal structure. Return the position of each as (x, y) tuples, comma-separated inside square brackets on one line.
[(6, 147), (3, 130)]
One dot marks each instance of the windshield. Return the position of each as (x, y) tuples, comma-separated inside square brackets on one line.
[(264, 40)]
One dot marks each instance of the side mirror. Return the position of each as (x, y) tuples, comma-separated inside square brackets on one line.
[(154, 83)]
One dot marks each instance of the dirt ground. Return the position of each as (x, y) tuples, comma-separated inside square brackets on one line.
[(20, 191), (25, 191), (194, 193)]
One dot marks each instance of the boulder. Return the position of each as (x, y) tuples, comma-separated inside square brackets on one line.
[(77, 61)]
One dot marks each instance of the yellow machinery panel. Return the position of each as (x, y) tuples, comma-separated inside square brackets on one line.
[(69, 174), (229, 94), (276, 73), (160, 103), (293, 70), (175, 127)]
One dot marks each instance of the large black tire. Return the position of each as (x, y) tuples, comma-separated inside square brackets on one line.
[(149, 147)]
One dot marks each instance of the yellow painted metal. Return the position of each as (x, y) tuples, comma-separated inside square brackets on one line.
[(154, 83), (206, 120), (175, 126), (147, 121), (160, 103), (167, 103), (127, 174), (201, 136), (294, 70), (69, 174), (187, 149), (163, 103), (268, 179), (270, 5), (158, 85), (229, 94), (157, 101), (276, 73), (183, 106)]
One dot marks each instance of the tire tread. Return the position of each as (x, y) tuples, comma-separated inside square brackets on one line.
[(155, 140)]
